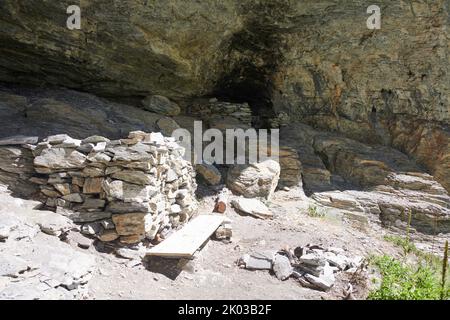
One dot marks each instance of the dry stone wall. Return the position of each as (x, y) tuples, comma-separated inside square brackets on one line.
[(130, 189), (222, 115)]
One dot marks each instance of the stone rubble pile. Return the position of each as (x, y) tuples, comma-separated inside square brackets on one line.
[(129, 189), (313, 266)]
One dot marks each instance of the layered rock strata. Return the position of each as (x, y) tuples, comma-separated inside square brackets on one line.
[(368, 180)]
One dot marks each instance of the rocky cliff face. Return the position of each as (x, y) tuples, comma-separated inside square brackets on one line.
[(123, 48), (314, 61)]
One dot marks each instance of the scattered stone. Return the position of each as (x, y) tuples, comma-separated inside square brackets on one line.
[(4, 232), (282, 267), (257, 261), (53, 224), (130, 254), (224, 232), (337, 260), (79, 239), (12, 266), (222, 201), (252, 207), (309, 265)]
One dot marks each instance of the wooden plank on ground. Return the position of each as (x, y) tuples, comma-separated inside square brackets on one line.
[(185, 242)]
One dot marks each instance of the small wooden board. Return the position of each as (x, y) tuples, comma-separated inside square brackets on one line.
[(185, 242)]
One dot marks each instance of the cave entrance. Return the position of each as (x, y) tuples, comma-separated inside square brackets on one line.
[(248, 84), (252, 59)]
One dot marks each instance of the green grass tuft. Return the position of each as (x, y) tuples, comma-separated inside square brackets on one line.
[(314, 212)]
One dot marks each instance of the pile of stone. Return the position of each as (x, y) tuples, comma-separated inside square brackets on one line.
[(313, 266), (129, 189), (213, 110), (239, 111)]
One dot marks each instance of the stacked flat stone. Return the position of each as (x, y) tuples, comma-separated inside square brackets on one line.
[(129, 189), (241, 112)]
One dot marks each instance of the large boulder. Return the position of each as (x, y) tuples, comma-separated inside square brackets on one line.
[(209, 173), (161, 105), (254, 180)]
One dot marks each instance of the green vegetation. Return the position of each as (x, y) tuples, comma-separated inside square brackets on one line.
[(314, 212), (404, 282), (428, 280), (444, 271), (405, 244)]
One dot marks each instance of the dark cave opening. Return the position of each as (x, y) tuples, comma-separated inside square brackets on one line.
[(248, 84), (252, 61)]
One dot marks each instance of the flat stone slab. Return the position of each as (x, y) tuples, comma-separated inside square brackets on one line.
[(252, 207), (258, 261), (18, 140)]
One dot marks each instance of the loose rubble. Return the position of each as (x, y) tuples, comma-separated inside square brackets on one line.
[(131, 189), (225, 231), (313, 266)]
